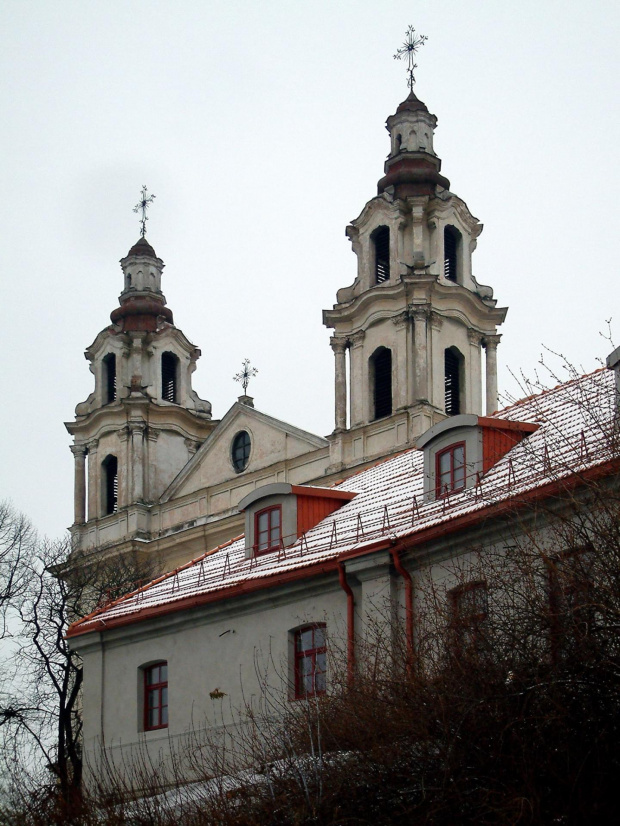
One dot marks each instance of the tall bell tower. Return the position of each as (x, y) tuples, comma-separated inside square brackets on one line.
[(143, 421), (409, 333)]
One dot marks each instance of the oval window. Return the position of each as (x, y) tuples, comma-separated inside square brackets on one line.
[(241, 450)]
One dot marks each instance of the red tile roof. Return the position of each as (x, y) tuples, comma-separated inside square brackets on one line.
[(576, 421)]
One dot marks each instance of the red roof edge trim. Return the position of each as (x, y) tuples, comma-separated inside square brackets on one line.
[(246, 587), (150, 584)]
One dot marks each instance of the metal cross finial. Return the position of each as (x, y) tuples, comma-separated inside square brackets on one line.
[(408, 50), (246, 374), (143, 205)]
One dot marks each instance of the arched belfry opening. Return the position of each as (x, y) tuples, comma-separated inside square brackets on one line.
[(452, 242), (109, 378), (381, 382), (110, 484), (170, 378), (381, 244), (453, 381)]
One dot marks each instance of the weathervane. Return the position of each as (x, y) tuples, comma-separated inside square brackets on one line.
[(143, 205), (246, 374), (408, 51)]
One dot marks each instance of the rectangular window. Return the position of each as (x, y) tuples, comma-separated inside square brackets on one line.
[(450, 469), (268, 530), (572, 601), (310, 661), (469, 609), (156, 696)]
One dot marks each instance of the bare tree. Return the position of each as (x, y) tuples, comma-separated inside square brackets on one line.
[(40, 711)]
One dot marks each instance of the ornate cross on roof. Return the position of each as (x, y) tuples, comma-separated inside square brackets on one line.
[(408, 51), (143, 205), (246, 374)]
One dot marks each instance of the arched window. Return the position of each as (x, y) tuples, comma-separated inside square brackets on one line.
[(381, 382), (109, 378), (453, 381), (381, 243), (110, 484), (240, 450), (169, 377), (451, 248)]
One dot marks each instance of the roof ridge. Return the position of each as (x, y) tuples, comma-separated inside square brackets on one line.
[(546, 390)]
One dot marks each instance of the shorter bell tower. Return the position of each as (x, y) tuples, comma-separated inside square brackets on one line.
[(410, 332), (143, 421)]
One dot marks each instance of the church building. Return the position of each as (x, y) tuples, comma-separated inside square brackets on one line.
[(414, 340), (276, 546)]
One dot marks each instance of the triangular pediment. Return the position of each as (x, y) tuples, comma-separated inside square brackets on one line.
[(272, 441)]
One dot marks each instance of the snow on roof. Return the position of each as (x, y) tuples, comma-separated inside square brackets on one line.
[(575, 418)]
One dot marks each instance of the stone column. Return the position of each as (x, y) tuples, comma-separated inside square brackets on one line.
[(137, 460), (339, 346), (490, 343), (359, 382), (420, 344), (79, 488), (93, 480), (473, 377)]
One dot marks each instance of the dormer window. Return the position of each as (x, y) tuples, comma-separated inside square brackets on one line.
[(109, 378), (276, 515), (459, 450), (169, 377), (450, 470), (381, 243), (451, 247), (268, 530)]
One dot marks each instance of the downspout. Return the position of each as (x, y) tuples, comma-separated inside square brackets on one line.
[(408, 604), (350, 624)]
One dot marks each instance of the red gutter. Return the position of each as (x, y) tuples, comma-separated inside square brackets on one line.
[(408, 604), (350, 624)]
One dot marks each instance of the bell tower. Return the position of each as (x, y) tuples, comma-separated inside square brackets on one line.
[(143, 421), (410, 332)]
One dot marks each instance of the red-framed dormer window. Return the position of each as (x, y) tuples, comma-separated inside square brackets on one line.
[(156, 696), (450, 469), (268, 529), (310, 661)]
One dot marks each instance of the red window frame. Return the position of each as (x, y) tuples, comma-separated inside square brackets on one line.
[(156, 696), (457, 480), (469, 609), (571, 600), (310, 661), (268, 536)]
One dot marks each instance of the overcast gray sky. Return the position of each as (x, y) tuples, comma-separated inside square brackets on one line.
[(260, 128)]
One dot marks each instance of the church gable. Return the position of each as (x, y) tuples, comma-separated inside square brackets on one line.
[(245, 441)]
